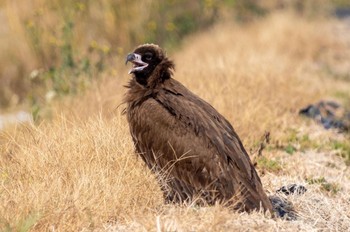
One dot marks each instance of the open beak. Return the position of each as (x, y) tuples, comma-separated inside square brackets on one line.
[(138, 64)]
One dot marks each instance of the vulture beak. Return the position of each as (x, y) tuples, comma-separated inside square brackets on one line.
[(138, 64)]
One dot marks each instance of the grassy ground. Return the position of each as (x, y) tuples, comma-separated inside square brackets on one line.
[(78, 171)]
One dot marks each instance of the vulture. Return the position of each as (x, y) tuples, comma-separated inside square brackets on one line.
[(194, 151)]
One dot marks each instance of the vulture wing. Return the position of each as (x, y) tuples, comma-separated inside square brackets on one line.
[(182, 136)]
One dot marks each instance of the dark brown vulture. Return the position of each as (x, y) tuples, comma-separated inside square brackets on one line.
[(193, 149)]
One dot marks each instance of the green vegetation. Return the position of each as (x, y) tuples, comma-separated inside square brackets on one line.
[(270, 165), (290, 149), (294, 141), (326, 186), (23, 225), (344, 96), (72, 74), (341, 3), (342, 148), (297, 139)]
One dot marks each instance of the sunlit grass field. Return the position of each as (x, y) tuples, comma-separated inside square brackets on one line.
[(77, 171)]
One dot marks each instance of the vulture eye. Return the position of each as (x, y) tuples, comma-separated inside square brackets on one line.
[(148, 56)]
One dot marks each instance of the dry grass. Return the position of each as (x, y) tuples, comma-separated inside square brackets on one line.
[(74, 182), (81, 36), (79, 171)]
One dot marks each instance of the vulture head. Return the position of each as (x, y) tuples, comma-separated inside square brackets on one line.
[(150, 64)]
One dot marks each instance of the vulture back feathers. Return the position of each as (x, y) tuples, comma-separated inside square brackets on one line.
[(193, 149)]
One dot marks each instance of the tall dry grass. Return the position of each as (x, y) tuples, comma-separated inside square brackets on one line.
[(75, 182), (43, 36), (79, 171), (47, 38)]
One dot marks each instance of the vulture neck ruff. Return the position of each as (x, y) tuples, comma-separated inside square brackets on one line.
[(160, 73)]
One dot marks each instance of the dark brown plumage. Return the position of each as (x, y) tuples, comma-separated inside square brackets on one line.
[(185, 140)]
